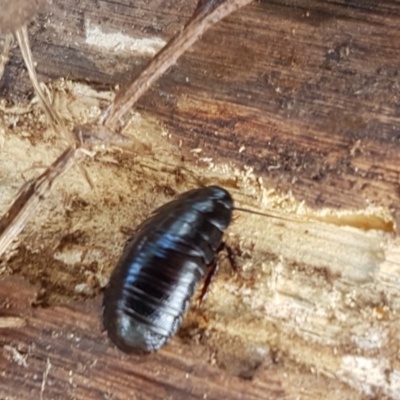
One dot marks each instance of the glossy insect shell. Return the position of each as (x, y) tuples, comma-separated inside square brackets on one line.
[(161, 266)]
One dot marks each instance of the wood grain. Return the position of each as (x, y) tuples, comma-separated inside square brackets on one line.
[(82, 365), (309, 88), (303, 92)]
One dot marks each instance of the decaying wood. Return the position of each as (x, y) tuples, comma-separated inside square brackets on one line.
[(61, 354), (322, 294), (306, 88), (54, 119), (31, 195), (312, 311), (207, 14)]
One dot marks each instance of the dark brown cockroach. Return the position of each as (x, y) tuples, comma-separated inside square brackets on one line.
[(152, 285), (162, 264)]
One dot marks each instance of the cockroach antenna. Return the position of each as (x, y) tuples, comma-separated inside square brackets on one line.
[(268, 215)]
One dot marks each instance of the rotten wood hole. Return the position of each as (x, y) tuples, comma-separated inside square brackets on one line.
[(298, 291)]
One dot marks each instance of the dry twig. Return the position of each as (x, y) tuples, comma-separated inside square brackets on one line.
[(32, 194), (207, 14), (55, 120), (5, 53), (44, 380)]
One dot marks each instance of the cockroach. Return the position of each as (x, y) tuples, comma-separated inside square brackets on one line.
[(152, 285)]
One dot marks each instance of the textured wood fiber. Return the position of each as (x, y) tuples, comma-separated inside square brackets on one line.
[(309, 88), (60, 353), (307, 91)]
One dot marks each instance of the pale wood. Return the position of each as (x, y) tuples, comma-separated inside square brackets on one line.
[(307, 91)]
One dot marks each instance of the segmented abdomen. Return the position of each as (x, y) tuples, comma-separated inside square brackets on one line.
[(154, 280)]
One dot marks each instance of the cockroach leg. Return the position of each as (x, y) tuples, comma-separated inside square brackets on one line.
[(213, 269), (231, 255)]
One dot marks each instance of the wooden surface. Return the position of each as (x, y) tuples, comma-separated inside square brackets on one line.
[(310, 88), (304, 92), (81, 363), (60, 353)]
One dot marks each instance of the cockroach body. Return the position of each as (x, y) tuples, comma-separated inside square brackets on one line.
[(152, 285)]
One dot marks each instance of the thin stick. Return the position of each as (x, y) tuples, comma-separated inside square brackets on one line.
[(5, 53), (44, 380), (32, 194), (207, 14), (54, 119)]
